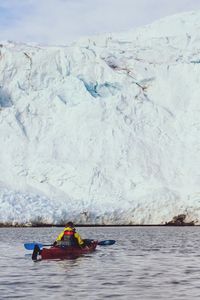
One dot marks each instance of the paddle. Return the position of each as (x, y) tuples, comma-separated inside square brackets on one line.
[(30, 246), (101, 243), (106, 242)]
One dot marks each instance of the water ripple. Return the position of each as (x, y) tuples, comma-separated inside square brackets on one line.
[(146, 263)]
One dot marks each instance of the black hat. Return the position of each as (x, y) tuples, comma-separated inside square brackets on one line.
[(70, 224)]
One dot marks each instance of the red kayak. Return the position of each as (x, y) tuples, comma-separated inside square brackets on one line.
[(57, 252)]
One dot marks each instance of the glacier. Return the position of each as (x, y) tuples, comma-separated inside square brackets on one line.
[(103, 131)]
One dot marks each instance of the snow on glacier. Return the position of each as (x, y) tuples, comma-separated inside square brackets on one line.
[(105, 131)]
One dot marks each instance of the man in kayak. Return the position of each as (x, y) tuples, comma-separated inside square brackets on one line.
[(69, 237)]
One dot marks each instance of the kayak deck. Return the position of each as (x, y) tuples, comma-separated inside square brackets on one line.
[(57, 252)]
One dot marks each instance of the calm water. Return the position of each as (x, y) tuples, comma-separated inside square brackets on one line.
[(145, 263)]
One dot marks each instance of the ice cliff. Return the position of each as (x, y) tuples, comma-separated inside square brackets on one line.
[(105, 131)]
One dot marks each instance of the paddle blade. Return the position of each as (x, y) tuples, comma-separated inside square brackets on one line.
[(30, 246), (106, 242)]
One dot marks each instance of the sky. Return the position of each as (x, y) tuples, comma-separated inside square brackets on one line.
[(60, 22)]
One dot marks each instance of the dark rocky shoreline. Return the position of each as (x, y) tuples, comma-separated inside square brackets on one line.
[(179, 220), (92, 225)]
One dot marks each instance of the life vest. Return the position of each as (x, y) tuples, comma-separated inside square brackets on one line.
[(69, 239)]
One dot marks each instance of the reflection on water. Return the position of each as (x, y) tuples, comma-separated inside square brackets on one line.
[(145, 263)]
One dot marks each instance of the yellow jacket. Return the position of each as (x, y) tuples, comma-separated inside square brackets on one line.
[(76, 235)]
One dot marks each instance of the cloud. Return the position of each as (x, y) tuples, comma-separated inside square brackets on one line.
[(62, 21)]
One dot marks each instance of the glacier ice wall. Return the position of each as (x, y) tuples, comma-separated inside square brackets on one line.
[(105, 131)]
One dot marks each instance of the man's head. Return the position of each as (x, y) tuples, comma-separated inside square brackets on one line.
[(70, 224)]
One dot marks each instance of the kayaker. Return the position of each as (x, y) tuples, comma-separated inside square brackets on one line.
[(69, 237)]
